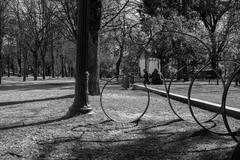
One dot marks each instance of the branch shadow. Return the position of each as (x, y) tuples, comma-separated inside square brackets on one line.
[(26, 87), (35, 100), (159, 145)]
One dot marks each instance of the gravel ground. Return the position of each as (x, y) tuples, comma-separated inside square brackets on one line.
[(32, 134)]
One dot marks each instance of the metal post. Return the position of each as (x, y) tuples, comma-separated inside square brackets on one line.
[(86, 91)]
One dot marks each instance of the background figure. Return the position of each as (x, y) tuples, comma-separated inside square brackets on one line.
[(237, 78), (146, 77), (125, 79), (156, 77)]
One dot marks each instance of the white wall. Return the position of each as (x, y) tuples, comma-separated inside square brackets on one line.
[(153, 63), (141, 65)]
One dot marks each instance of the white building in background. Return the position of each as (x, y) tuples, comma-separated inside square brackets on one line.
[(149, 63)]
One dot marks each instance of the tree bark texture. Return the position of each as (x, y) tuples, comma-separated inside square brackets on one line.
[(94, 65), (93, 55), (80, 104), (1, 43)]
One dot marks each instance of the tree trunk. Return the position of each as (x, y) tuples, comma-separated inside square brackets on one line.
[(213, 55), (179, 73), (62, 66), (20, 66), (8, 63), (35, 64), (1, 44), (19, 60), (118, 66), (80, 104), (65, 70), (93, 65), (52, 59), (162, 64), (72, 71), (13, 68), (1, 65), (24, 66), (43, 68), (185, 71), (93, 57), (236, 152)]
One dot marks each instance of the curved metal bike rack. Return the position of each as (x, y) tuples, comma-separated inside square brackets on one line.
[(222, 109), (223, 106), (190, 105), (112, 118)]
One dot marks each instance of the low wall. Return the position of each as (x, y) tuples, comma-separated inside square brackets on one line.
[(214, 107)]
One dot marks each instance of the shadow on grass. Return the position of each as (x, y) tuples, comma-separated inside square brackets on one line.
[(27, 87), (156, 145), (22, 124), (35, 100)]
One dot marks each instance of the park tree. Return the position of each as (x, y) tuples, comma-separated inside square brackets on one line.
[(217, 17), (32, 16), (80, 104), (18, 28), (67, 15), (3, 18), (120, 25)]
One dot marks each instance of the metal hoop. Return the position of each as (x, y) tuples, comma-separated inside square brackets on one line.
[(224, 97), (113, 119), (189, 100)]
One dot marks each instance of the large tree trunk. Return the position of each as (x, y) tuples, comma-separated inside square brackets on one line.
[(1, 44), (1, 64), (93, 65), (80, 104), (35, 64), (236, 152)]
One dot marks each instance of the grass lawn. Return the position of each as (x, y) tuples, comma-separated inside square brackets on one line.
[(206, 91), (159, 135)]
